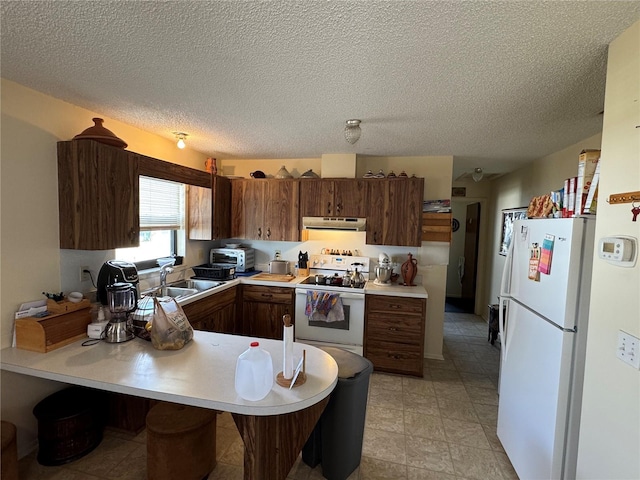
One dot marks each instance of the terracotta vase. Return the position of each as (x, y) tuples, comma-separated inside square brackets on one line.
[(211, 166), (409, 270), (101, 134)]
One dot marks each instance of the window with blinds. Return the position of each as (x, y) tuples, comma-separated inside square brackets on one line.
[(162, 216), (161, 204)]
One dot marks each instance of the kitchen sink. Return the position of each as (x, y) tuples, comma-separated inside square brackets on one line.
[(198, 285), (176, 292)]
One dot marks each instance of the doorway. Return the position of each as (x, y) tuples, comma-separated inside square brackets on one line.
[(462, 272)]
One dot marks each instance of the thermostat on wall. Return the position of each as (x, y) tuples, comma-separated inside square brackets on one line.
[(620, 250)]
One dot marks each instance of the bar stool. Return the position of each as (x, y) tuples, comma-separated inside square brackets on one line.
[(9, 467), (181, 442)]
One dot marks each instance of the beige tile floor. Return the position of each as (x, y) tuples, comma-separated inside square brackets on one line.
[(439, 427)]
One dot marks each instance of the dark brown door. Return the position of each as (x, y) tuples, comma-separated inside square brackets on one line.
[(471, 238)]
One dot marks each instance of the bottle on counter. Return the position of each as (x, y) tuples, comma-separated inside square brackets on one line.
[(254, 373)]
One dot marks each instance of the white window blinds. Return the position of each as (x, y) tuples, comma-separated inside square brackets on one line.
[(161, 204)]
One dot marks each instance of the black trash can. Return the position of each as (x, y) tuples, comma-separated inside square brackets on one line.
[(336, 440), (494, 320), (70, 424)]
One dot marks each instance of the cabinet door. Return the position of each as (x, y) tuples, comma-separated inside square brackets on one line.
[(281, 209), (98, 195), (221, 221), (253, 204), (376, 193), (264, 319), (395, 211), (199, 205), (404, 212), (316, 197), (237, 208), (350, 198), (263, 308), (215, 313)]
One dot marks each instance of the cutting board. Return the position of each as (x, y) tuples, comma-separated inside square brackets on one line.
[(273, 277)]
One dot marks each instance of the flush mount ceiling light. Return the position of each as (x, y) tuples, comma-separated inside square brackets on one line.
[(352, 131), (477, 174), (181, 138)]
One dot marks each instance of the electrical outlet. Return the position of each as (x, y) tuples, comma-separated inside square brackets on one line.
[(84, 274), (628, 349)]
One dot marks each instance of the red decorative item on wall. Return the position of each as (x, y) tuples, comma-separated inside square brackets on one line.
[(409, 270)]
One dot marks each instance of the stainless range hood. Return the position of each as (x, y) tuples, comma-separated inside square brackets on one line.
[(334, 223)]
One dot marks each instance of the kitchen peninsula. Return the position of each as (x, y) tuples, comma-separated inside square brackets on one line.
[(201, 374)]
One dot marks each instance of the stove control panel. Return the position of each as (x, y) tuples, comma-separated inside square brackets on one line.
[(339, 262)]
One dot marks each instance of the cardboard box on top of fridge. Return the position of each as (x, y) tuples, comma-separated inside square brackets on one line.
[(586, 168)]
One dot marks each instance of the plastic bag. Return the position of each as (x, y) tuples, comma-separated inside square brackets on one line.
[(170, 328)]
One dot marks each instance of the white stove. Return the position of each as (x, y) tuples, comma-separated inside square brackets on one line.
[(343, 326)]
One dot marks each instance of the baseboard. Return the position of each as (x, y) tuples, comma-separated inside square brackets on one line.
[(431, 356)]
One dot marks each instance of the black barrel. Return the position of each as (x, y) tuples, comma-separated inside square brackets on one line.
[(70, 424)]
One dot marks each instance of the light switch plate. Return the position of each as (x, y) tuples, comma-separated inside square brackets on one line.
[(628, 349)]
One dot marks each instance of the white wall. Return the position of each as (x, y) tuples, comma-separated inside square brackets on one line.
[(516, 190), (609, 445), (32, 261)]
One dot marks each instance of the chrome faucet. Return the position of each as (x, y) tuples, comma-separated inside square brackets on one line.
[(164, 271)]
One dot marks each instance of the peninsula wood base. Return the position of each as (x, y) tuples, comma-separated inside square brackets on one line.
[(272, 443)]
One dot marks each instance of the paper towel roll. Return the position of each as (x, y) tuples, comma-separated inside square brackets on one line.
[(287, 357)]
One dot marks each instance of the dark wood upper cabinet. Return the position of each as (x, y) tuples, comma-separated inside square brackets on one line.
[(98, 196), (98, 193), (333, 197), (265, 209), (210, 210), (221, 207)]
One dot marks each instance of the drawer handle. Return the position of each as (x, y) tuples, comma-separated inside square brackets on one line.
[(393, 329), (259, 232), (267, 295), (395, 306)]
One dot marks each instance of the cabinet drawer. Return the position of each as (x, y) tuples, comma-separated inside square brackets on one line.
[(395, 304), (405, 330), (394, 358), (259, 293)]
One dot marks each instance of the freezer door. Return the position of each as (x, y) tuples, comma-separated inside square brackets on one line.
[(553, 295), (534, 394)]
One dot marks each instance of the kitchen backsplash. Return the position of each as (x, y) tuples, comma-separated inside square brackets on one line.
[(198, 253)]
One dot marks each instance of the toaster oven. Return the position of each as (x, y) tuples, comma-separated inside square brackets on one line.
[(242, 258)]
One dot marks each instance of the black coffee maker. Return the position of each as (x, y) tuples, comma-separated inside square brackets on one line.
[(116, 271)]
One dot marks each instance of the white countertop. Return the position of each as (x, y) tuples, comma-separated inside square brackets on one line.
[(395, 290), (201, 374)]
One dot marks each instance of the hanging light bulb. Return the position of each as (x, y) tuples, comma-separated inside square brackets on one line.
[(181, 138), (352, 131), (477, 174)]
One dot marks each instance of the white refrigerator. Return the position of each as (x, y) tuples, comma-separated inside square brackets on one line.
[(544, 304)]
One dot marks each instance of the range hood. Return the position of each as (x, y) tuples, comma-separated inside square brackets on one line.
[(334, 223)]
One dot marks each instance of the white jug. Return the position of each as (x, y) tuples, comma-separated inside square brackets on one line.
[(254, 373)]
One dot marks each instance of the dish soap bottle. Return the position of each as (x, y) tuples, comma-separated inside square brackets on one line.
[(254, 373)]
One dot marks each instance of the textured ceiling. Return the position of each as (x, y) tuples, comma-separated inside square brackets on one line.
[(495, 84)]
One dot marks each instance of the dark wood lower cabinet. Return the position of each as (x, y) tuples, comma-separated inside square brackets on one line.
[(263, 308), (394, 333), (215, 313), (126, 412)]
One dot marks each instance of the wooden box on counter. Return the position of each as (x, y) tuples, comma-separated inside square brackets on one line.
[(436, 227), (55, 330)]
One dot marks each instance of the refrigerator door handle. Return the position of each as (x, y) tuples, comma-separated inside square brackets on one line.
[(505, 282), (505, 343)]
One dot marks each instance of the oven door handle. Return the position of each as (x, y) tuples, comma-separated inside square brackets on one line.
[(354, 296)]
